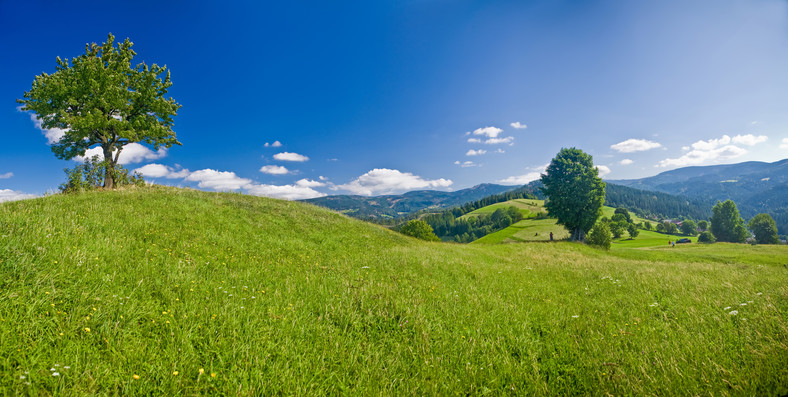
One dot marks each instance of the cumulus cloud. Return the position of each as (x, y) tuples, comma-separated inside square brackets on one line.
[(490, 132), (218, 180), (53, 135), (719, 149), (385, 181), (287, 192), (533, 174), (475, 152), (626, 162), (518, 126), (274, 170), (274, 144), (784, 143), (474, 140), (287, 156), (635, 145), (496, 141), (466, 164), (162, 171), (10, 195), (603, 170), (699, 156), (309, 183), (6, 175), (131, 153), (749, 139)]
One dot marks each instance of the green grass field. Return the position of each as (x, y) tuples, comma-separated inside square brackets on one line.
[(529, 208), (164, 291)]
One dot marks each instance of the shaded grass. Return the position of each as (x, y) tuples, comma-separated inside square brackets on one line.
[(279, 297)]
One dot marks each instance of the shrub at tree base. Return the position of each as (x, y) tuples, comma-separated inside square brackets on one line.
[(706, 237), (90, 176), (600, 236), (419, 229)]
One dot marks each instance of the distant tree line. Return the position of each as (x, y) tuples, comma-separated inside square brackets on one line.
[(653, 205)]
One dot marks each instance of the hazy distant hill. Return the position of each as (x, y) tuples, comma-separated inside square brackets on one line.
[(755, 186), (397, 205)]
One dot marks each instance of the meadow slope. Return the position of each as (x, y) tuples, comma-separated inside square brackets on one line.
[(172, 291)]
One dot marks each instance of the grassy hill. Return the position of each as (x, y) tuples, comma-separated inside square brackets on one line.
[(167, 291)]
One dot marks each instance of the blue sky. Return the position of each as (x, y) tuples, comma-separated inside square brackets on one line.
[(301, 99)]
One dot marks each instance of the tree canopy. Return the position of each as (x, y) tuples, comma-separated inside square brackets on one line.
[(419, 229), (574, 191), (99, 99), (764, 228), (726, 224)]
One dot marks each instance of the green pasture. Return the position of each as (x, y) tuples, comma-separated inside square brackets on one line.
[(164, 291)]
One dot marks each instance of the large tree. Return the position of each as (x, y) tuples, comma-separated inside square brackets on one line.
[(726, 224), (99, 99), (574, 191), (764, 228)]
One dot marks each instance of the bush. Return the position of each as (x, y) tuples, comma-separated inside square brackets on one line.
[(600, 236), (706, 237), (421, 230), (633, 230), (90, 176)]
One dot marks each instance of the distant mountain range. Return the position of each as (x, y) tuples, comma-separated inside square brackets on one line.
[(755, 186), (392, 206)]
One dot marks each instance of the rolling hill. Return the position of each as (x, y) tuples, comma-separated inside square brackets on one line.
[(397, 205), (163, 291)]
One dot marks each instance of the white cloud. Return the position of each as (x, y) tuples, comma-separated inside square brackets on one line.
[(53, 135), (466, 164), (287, 156), (784, 143), (274, 170), (6, 175), (474, 140), (322, 178), (698, 156), (10, 195), (218, 180), (533, 174), (490, 132), (749, 139), (275, 144), (162, 171), (500, 151), (475, 152), (286, 192), (711, 144), (626, 162), (518, 126), (603, 170), (131, 153), (685, 148), (309, 183), (635, 145), (495, 141), (384, 181)]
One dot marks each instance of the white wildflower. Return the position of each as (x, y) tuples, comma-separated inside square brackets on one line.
[(575, 316), (727, 308), (56, 374), (734, 312)]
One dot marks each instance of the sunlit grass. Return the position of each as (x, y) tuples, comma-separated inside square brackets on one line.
[(167, 291)]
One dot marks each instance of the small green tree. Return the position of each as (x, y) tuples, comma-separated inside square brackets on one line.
[(422, 230), (600, 236), (623, 211), (575, 192), (703, 226), (689, 228), (632, 230), (726, 224), (706, 237), (617, 228), (647, 225), (764, 228), (99, 99)]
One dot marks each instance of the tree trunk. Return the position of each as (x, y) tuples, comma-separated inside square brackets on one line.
[(109, 168), (578, 235)]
